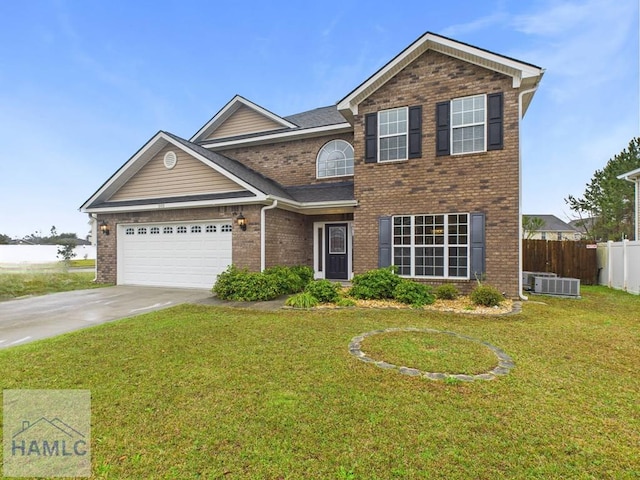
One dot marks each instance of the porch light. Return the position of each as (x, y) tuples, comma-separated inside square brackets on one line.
[(104, 228), (242, 222)]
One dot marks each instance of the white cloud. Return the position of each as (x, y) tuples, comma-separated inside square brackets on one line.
[(481, 23)]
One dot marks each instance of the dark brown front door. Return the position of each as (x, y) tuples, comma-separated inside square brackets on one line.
[(336, 251)]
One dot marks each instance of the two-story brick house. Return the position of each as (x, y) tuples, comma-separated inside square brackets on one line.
[(418, 167)]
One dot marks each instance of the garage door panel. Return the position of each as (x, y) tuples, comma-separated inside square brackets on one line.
[(174, 254)]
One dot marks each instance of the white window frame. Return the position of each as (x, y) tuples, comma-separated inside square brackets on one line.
[(445, 246), (462, 126), (405, 134), (347, 153)]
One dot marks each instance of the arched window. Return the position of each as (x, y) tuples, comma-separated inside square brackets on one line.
[(335, 159)]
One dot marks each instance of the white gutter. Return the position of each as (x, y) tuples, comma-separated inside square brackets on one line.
[(524, 92), (263, 248)]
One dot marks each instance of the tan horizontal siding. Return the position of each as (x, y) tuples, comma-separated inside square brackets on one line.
[(189, 177), (244, 120)]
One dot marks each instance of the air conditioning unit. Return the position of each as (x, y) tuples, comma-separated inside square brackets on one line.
[(569, 287), (527, 278)]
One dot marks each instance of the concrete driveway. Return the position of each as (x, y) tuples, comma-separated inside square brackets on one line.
[(28, 319)]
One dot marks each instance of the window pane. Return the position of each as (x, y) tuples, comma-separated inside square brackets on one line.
[(402, 259), (335, 158), (337, 240), (467, 123)]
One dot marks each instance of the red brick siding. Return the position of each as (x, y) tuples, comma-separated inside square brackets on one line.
[(485, 182), (288, 163)]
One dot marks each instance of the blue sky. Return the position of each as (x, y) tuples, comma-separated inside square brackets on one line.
[(84, 84)]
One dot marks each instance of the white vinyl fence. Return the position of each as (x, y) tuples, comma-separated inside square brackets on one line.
[(26, 254), (619, 265)]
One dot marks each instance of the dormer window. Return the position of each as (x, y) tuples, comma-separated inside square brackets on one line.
[(335, 159)]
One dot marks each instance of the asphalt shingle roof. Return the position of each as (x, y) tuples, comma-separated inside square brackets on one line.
[(553, 224), (319, 117)]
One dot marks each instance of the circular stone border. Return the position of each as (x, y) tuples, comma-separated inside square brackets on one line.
[(505, 362)]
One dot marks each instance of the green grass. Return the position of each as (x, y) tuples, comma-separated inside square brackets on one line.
[(206, 392), (13, 285), (83, 263), (431, 352)]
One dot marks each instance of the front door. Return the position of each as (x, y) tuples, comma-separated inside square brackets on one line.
[(336, 251)]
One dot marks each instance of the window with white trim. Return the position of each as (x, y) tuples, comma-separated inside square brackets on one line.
[(130, 231), (226, 228), (392, 134), (181, 229), (335, 159), (210, 229), (433, 246), (167, 230), (468, 124), (154, 230), (196, 229)]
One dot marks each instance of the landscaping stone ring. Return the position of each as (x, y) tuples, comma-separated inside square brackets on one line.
[(505, 362)]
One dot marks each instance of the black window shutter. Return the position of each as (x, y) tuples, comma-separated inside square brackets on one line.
[(415, 131), (384, 242), (494, 121), (442, 128), (478, 246), (371, 138)]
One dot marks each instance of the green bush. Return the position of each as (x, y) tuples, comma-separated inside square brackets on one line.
[(324, 290), (447, 291), (375, 284), (302, 300), (242, 285), (413, 293), (486, 295), (346, 302), (304, 272), (288, 280)]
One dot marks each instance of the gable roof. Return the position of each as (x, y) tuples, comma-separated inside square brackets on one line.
[(229, 109), (523, 74), (553, 224), (258, 187)]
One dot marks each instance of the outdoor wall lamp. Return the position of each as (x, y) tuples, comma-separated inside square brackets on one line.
[(242, 222), (104, 228)]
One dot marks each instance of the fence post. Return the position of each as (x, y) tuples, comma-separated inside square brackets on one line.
[(609, 263), (625, 265)]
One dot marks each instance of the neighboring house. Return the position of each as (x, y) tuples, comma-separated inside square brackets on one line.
[(554, 229), (585, 226), (634, 177), (417, 167)]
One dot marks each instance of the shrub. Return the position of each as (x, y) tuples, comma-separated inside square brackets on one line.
[(324, 290), (346, 302), (375, 284), (413, 293), (486, 295), (302, 300), (287, 279), (447, 291), (242, 285), (304, 272)]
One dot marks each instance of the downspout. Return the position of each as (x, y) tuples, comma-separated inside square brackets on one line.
[(520, 115), (263, 243), (95, 241)]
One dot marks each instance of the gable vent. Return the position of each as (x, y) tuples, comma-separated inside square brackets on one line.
[(170, 160)]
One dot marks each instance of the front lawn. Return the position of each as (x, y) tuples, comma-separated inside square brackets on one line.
[(206, 392), (13, 285)]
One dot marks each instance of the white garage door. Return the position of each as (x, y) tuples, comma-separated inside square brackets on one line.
[(173, 254)]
